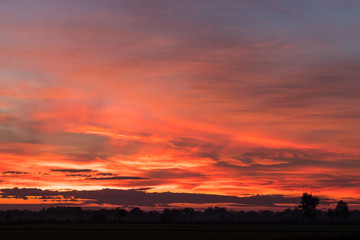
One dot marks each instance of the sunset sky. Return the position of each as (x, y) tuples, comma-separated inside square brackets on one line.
[(245, 99)]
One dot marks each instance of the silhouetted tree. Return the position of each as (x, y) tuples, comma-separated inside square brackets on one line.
[(330, 213), (136, 212), (172, 215), (290, 215), (216, 213), (342, 209), (308, 205), (188, 213), (121, 213), (98, 216), (184, 215)]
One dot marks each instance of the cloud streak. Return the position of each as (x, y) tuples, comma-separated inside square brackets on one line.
[(141, 198), (15, 172), (72, 170), (118, 178)]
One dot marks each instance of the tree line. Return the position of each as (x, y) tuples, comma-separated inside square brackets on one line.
[(306, 212)]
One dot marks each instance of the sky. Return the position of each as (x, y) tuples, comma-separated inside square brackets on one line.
[(180, 102)]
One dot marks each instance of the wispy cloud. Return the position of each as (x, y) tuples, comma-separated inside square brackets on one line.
[(15, 172), (118, 178), (72, 170)]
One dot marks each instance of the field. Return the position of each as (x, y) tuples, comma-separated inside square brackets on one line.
[(178, 231)]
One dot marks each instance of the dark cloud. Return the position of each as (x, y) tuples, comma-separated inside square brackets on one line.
[(15, 172), (72, 170), (118, 178), (105, 174), (77, 175), (142, 198), (141, 189)]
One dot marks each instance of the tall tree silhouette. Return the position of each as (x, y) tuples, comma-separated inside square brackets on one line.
[(308, 205), (342, 209)]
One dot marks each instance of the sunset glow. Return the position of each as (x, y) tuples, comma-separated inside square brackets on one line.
[(231, 98)]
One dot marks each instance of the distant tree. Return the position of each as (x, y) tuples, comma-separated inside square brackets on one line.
[(188, 213), (308, 205), (136, 214), (136, 211), (330, 213), (121, 213), (290, 215), (98, 216), (216, 213), (171, 215), (341, 209)]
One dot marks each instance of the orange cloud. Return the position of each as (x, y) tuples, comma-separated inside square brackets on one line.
[(209, 102)]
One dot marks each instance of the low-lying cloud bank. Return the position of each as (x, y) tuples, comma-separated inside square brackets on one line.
[(145, 199)]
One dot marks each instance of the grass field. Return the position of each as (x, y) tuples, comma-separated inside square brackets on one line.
[(178, 231)]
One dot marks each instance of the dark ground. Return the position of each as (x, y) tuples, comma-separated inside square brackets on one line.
[(178, 231)]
